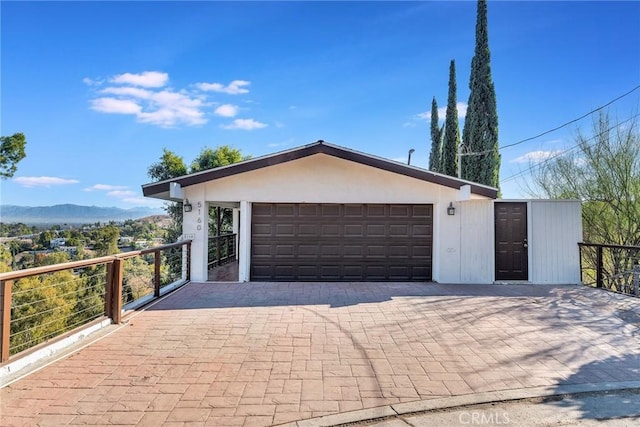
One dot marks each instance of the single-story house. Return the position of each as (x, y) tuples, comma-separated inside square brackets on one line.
[(322, 212)]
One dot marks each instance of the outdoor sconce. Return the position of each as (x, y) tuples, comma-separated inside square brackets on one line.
[(451, 210), (187, 206)]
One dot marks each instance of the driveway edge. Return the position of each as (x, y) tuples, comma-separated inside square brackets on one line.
[(429, 405)]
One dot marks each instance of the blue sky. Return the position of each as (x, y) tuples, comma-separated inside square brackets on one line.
[(100, 88)]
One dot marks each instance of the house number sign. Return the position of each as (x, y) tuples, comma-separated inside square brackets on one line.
[(199, 216)]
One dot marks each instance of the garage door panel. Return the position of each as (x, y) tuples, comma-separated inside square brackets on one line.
[(421, 211), (353, 230), (351, 211), (308, 250), (285, 251), (285, 210), (420, 230), (331, 230), (329, 211), (341, 242), (376, 230), (285, 230), (398, 230), (351, 251), (262, 210), (262, 230), (330, 251), (399, 211), (260, 250), (311, 210), (308, 230), (376, 211)]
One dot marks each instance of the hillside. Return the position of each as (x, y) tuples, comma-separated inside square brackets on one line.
[(71, 214)]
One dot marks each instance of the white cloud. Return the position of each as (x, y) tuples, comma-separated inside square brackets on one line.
[(105, 187), (165, 108), (244, 124), (137, 201), (144, 79), (134, 92), (43, 181), (121, 194), (236, 87), (535, 156), (226, 110), (408, 125), (91, 82), (144, 96), (115, 106), (442, 112)]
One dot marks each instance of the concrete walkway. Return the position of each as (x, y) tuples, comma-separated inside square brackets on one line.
[(266, 353)]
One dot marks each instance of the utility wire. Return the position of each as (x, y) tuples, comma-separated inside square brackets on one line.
[(563, 152), (480, 153), (572, 121)]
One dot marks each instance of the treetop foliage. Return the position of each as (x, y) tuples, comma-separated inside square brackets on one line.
[(480, 133), (451, 139), (436, 138), (604, 172), (12, 150)]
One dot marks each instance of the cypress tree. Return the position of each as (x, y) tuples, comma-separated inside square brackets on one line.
[(480, 133), (436, 139), (449, 155)]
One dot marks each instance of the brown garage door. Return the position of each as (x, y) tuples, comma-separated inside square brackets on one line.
[(332, 242)]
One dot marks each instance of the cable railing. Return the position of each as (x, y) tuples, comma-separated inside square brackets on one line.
[(612, 267), (222, 250), (40, 304)]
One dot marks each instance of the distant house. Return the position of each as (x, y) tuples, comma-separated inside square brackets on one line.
[(56, 242), (125, 240), (69, 249), (327, 213)]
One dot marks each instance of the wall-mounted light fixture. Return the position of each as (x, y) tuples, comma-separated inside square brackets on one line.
[(187, 206), (451, 210)]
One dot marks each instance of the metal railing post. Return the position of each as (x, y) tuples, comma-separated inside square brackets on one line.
[(599, 266), (5, 316), (636, 280)]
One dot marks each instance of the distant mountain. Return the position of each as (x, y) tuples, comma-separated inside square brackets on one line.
[(71, 214)]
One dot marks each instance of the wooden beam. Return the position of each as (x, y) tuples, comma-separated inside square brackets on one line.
[(5, 316), (156, 273), (116, 291)]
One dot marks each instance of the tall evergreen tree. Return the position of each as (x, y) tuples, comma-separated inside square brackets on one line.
[(436, 138), (451, 141), (480, 134)]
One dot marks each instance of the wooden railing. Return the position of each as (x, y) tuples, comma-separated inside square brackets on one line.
[(612, 267), (40, 304), (222, 250)]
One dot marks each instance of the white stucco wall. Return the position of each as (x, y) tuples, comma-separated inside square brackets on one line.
[(556, 229)]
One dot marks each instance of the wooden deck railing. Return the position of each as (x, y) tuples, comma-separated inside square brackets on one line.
[(43, 303), (612, 267)]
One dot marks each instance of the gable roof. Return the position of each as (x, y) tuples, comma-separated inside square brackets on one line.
[(161, 189)]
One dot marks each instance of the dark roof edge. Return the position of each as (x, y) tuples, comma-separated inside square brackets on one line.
[(149, 190)]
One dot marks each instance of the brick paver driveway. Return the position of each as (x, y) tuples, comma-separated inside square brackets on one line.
[(267, 353)]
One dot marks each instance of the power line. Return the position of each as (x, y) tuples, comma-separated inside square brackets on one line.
[(480, 153), (540, 164), (572, 121)]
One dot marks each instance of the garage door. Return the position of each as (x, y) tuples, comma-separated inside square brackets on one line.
[(332, 242)]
